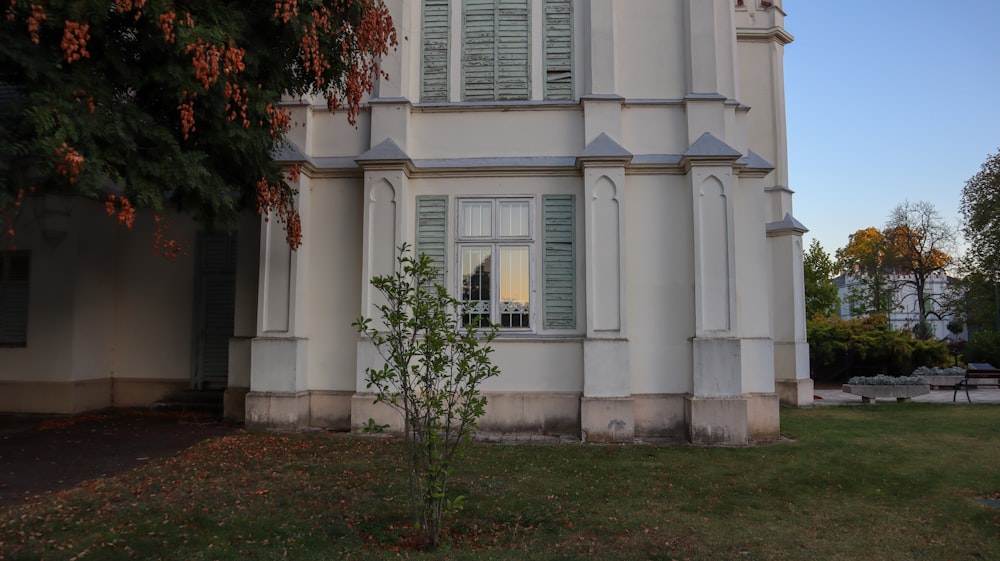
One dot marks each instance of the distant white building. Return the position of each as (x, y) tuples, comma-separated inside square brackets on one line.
[(906, 314)]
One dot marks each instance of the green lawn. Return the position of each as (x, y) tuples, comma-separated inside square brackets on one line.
[(893, 482)]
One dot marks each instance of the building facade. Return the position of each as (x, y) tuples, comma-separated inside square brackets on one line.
[(905, 315), (605, 179)]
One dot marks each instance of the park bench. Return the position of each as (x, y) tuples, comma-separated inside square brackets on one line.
[(978, 374)]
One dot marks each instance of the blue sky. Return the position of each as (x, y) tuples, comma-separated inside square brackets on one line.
[(887, 101)]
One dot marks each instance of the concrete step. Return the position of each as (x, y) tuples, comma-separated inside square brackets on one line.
[(205, 402)]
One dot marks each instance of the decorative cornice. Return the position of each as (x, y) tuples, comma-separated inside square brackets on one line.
[(787, 225), (709, 150), (773, 34), (754, 165), (604, 150), (385, 154), (782, 188)]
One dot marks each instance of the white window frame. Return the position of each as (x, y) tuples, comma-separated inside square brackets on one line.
[(495, 242)]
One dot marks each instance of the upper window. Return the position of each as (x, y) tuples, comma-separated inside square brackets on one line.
[(496, 56), (494, 246), (14, 270)]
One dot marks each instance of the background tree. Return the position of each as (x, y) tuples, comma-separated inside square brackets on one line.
[(919, 245), (821, 292), (980, 206), (864, 259), (159, 103)]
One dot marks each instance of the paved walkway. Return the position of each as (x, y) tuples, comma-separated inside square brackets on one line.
[(838, 397)]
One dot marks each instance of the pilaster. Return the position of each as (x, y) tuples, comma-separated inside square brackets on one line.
[(791, 350), (717, 410), (386, 210), (712, 47), (601, 68), (607, 412), (278, 352)]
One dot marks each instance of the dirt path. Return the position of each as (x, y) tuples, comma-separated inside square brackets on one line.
[(39, 455)]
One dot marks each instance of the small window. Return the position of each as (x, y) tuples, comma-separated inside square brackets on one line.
[(14, 273), (495, 245)]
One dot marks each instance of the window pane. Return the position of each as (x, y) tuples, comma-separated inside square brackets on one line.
[(514, 219), (514, 286), (476, 285), (477, 219)]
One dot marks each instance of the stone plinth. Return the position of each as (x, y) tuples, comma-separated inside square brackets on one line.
[(901, 393)]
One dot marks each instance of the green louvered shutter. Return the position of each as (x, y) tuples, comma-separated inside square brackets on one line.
[(559, 262), (479, 51), (513, 49), (496, 50), (435, 56), (14, 273), (215, 309), (432, 232), (558, 49)]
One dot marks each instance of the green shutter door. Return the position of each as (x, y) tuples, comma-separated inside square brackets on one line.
[(558, 49), (559, 262), (14, 271), (215, 306), (434, 86), (432, 232)]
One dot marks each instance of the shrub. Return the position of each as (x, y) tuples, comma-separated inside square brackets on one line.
[(983, 346), (431, 376), (866, 346)]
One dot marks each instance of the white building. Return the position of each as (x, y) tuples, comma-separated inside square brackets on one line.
[(599, 175), (906, 313)]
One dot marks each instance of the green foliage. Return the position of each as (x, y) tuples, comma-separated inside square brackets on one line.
[(172, 105), (980, 207), (915, 244), (839, 349), (432, 373), (864, 259), (983, 346), (976, 297), (821, 292)]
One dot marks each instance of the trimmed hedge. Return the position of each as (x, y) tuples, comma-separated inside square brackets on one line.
[(840, 349)]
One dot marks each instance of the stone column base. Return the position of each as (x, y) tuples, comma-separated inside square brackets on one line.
[(234, 404), (277, 410), (330, 409), (734, 420), (763, 416), (717, 420), (795, 393), (363, 408), (607, 419)]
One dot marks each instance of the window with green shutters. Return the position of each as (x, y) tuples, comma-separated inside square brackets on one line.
[(496, 49), (496, 248), (15, 267)]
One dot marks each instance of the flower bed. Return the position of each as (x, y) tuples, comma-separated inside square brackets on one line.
[(873, 388), (941, 378)]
